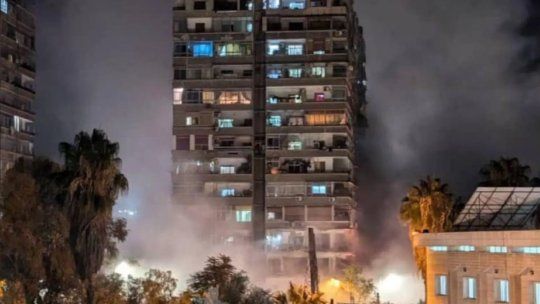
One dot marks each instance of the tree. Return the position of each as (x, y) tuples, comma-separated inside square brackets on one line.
[(157, 287), (220, 273), (299, 294), (354, 283), (110, 289), (33, 233), (258, 295), (427, 207), (94, 181), (505, 172)]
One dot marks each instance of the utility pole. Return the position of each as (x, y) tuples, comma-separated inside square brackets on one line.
[(313, 269), (259, 124)]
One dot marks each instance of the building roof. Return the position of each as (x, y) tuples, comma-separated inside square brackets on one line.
[(500, 209)]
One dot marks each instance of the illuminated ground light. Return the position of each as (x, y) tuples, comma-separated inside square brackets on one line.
[(390, 284)]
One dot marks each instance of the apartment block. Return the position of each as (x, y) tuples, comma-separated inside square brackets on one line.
[(17, 74), (268, 100)]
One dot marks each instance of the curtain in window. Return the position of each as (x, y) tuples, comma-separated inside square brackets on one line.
[(325, 119)]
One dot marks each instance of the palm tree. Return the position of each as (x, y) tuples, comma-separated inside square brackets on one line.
[(505, 172), (427, 207), (94, 181)]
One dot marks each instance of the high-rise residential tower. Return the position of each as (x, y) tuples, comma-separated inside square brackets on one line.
[(17, 70), (268, 100)]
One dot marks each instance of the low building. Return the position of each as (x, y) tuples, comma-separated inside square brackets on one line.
[(493, 254)]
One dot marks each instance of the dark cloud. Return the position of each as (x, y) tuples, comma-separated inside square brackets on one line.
[(446, 95)]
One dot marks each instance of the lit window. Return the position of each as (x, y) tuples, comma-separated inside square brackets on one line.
[(536, 292), (319, 96), (295, 145), (441, 285), (531, 250), (497, 249), (226, 170), (227, 192), (295, 73), (272, 100), (295, 49), (503, 290), (4, 6), (466, 248), (274, 74), (192, 121), (318, 189), (469, 288), (208, 97), (318, 71), (319, 52), (274, 120), (273, 4), (225, 123), (243, 216), (202, 49), (230, 49), (297, 5), (439, 248), (273, 49), (249, 26), (17, 122)]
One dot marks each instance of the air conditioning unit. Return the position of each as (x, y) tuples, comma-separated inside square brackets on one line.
[(299, 198), (340, 33), (332, 199), (327, 89)]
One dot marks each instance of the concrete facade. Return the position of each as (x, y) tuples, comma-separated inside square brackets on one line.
[(490, 258), (312, 62), (17, 74)]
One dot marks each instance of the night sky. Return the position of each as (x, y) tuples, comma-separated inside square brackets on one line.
[(452, 84)]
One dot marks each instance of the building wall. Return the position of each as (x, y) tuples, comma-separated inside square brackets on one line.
[(522, 270), (17, 73), (313, 95)]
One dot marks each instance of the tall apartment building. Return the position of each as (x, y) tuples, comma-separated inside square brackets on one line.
[(17, 75), (267, 100)]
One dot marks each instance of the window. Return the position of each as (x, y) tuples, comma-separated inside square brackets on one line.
[(4, 6), (230, 49), (243, 216), (441, 285), (192, 121), (339, 93), (225, 123), (318, 71), (273, 49), (497, 249), (182, 143), (274, 120), (202, 49), (531, 250), (226, 170), (272, 4), (297, 5), (199, 27), (502, 288), (295, 49), (295, 73), (227, 192), (536, 292), (469, 288), (466, 248), (319, 96), (273, 143), (438, 248), (180, 49), (295, 145), (17, 123), (272, 100), (199, 5), (274, 74), (249, 27), (208, 97), (318, 189)]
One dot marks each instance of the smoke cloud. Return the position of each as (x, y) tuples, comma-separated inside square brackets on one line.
[(447, 93)]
